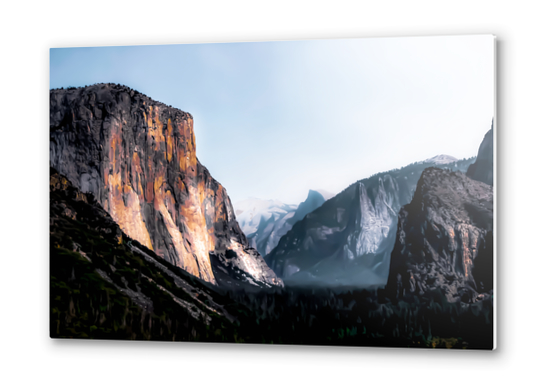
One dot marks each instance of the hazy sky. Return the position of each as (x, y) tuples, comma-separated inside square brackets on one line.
[(275, 119)]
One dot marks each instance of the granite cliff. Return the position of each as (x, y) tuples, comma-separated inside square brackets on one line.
[(137, 157), (445, 239), (482, 169)]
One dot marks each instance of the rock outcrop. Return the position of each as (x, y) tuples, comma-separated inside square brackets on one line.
[(482, 169), (349, 239), (138, 158), (445, 239)]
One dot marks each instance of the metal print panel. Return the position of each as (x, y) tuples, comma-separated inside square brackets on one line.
[(340, 192)]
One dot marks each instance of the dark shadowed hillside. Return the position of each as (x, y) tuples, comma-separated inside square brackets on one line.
[(445, 239), (106, 285)]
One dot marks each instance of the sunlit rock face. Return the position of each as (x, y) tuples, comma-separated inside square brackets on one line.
[(482, 169), (445, 239), (138, 158), (349, 239)]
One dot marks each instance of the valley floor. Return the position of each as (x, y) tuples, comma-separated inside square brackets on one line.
[(83, 305)]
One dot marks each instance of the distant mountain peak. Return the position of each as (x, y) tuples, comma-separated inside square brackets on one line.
[(441, 159), (264, 222), (482, 169), (255, 205), (314, 194), (325, 194)]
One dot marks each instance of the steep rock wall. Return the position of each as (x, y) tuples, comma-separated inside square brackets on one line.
[(482, 169), (138, 158), (445, 239)]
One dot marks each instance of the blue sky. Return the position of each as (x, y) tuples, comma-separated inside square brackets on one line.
[(274, 119)]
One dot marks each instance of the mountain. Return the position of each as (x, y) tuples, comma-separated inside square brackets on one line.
[(314, 200), (106, 285), (349, 239), (482, 169), (264, 222), (445, 239), (137, 157), (441, 159)]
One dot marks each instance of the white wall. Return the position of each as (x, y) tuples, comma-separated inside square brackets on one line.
[(28, 30)]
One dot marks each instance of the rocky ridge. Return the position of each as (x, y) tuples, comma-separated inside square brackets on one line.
[(349, 239)]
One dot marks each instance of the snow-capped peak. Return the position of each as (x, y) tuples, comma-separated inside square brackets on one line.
[(255, 205), (441, 159)]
